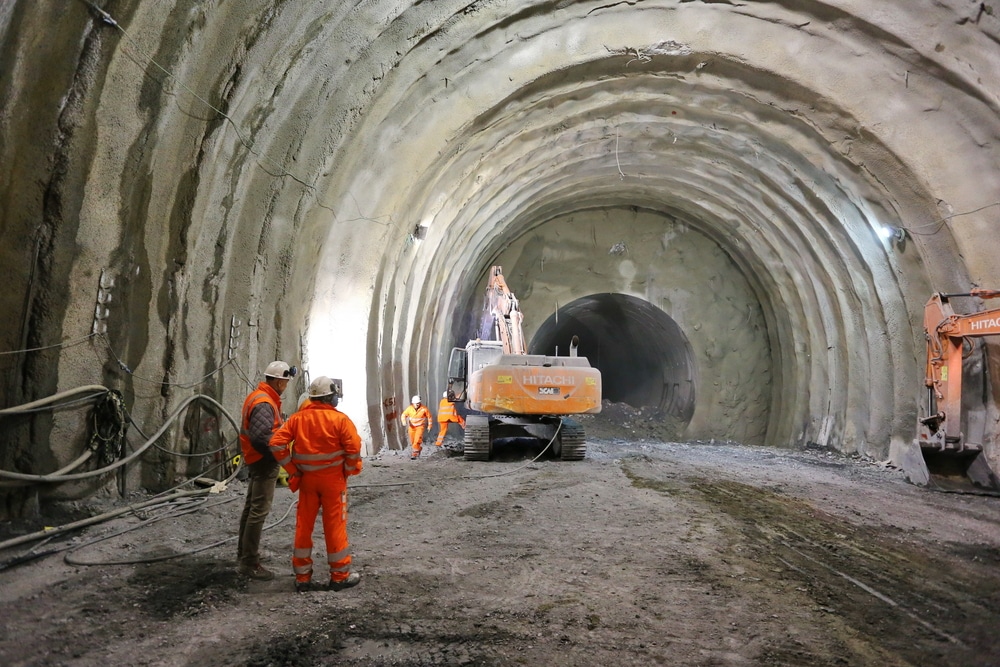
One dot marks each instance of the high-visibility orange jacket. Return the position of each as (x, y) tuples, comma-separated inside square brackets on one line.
[(416, 417), (325, 439), (448, 413), (264, 393)]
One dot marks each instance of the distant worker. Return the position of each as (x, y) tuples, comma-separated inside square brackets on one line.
[(261, 418), (447, 413), (327, 451), (417, 419)]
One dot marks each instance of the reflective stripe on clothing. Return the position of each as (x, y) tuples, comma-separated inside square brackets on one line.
[(352, 466), (322, 491), (416, 417), (448, 413), (442, 431), (416, 438), (264, 393), (327, 451), (325, 439)]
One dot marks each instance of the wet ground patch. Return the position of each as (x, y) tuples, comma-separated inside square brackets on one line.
[(924, 603), (185, 586)]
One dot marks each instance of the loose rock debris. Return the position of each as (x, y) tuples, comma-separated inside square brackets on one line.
[(644, 553)]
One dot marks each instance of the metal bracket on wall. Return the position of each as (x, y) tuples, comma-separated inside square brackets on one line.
[(101, 309), (304, 358), (234, 336)]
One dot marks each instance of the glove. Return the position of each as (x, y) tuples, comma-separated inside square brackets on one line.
[(293, 482)]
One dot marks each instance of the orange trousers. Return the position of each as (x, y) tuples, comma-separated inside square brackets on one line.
[(324, 490), (442, 430), (416, 438)]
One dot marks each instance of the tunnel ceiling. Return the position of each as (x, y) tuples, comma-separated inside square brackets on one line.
[(333, 180)]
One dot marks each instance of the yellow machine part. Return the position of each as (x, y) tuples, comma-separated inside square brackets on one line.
[(535, 390)]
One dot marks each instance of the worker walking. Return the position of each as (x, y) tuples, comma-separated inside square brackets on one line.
[(417, 419), (261, 418), (327, 451), (446, 414)]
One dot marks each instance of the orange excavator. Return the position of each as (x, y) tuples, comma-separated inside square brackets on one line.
[(511, 393), (947, 460)]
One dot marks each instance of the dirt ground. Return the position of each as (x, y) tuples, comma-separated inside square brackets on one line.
[(645, 553)]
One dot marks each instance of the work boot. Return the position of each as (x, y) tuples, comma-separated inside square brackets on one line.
[(352, 580), (305, 586), (258, 572)]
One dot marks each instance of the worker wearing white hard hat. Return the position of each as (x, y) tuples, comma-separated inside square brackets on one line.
[(447, 414), (261, 418), (417, 419), (327, 451)]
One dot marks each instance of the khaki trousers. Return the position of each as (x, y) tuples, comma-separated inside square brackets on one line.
[(260, 495)]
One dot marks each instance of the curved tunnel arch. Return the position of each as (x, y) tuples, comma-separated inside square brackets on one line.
[(643, 355)]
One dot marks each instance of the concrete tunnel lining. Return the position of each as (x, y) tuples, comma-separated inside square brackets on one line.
[(778, 138)]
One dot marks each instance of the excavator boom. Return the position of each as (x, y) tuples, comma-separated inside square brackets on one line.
[(506, 312)]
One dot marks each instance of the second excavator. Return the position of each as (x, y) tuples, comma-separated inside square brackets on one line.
[(942, 456), (511, 393)]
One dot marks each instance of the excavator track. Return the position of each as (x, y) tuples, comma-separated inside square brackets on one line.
[(477, 438), (573, 444)]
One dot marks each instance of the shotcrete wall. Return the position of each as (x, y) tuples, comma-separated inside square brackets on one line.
[(328, 183), (675, 268)]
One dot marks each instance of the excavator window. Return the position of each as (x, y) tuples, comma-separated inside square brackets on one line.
[(457, 375)]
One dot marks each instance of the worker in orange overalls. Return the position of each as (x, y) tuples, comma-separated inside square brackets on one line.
[(417, 419), (327, 451), (447, 413), (261, 418)]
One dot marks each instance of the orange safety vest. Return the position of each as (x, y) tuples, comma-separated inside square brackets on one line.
[(417, 417), (262, 394), (325, 439), (447, 412)]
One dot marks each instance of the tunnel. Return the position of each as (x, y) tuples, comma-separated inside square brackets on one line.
[(644, 358), (744, 206)]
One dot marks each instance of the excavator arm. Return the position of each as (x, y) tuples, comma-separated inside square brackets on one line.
[(506, 312)]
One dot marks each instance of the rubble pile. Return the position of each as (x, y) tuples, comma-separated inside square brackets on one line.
[(624, 421)]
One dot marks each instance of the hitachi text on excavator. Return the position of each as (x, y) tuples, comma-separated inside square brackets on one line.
[(511, 393)]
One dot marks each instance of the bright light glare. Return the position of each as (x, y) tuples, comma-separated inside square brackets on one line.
[(336, 348), (886, 232)]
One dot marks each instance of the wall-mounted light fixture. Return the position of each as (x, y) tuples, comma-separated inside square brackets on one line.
[(892, 234)]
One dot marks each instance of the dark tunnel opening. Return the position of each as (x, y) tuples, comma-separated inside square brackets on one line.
[(644, 357)]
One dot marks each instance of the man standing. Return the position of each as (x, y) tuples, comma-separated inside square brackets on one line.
[(327, 451), (261, 418), (417, 419), (447, 413)]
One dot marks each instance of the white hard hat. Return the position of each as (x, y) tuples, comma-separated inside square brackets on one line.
[(444, 395), (415, 399), (280, 370), (322, 386)]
